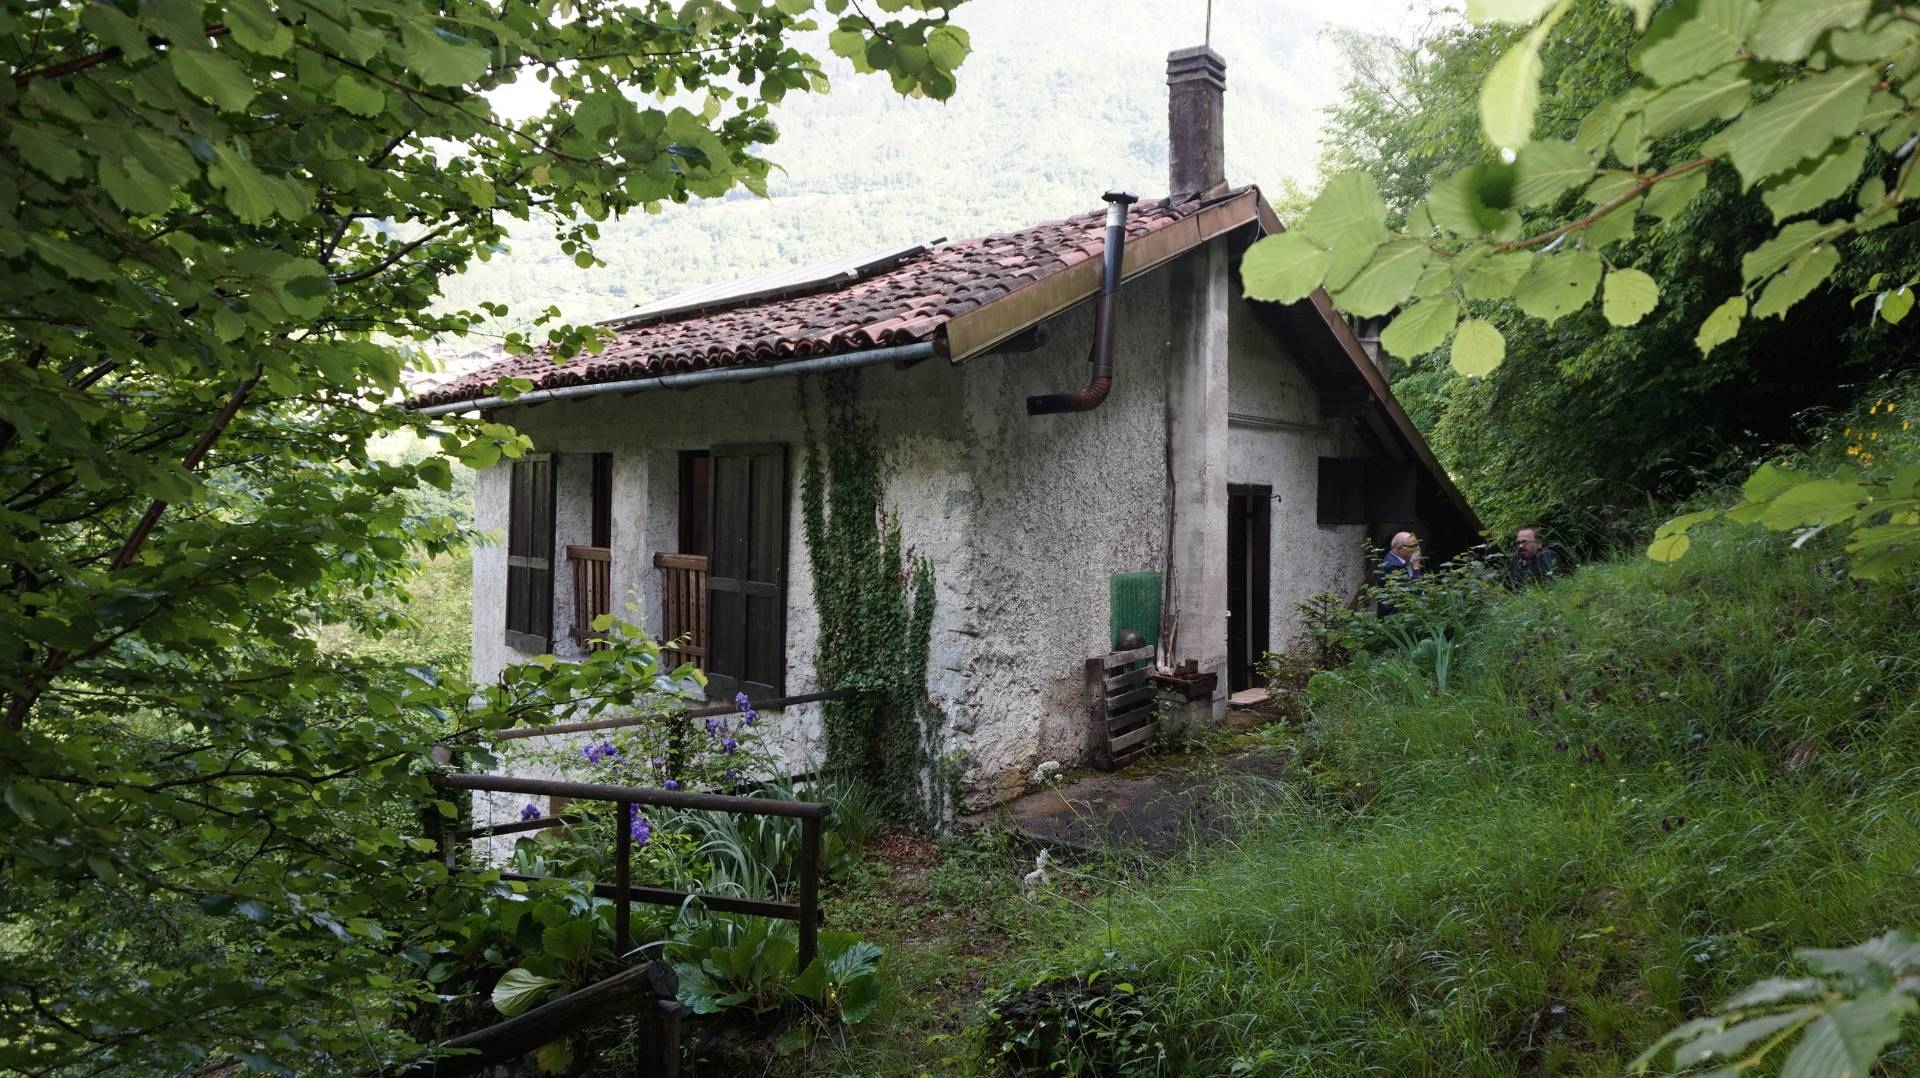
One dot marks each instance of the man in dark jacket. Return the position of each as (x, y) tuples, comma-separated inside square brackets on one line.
[(1532, 562), (1402, 564)]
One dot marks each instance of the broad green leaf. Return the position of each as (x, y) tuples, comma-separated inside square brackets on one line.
[(1436, 278), (1799, 122), (1388, 279), (1788, 28), (517, 990), (133, 187), (1514, 12), (1880, 37), (1681, 525), (46, 149), (1801, 277), (568, 940), (1727, 1042), (1669, 197), (947, 46), (1547, 169), (1720, 95), (1693, 37), (1349, 220), (1494, 277), (1817, 501), (1510, 95), (1845, 1042), (1614, 225), (1816, 182), (1283, 268), (1893, 305), (1460, 203), (256, 29), (254, 196), (1775, 990), (69, 258), (1609, 186), (554, 1057), (1421, 328), (441, 57), (357, 97), (1721, 325), (1628, 296), (212, 77), (1769, 481), (1668, 547), (1788, 244), (1558, 285), (1478, 348)]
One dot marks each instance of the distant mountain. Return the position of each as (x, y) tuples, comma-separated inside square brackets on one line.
[(1059, 101)]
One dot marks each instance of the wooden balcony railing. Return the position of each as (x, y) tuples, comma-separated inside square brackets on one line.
[(683, 605), (592, 589)]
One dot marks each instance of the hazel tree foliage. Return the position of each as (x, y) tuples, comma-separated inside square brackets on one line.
[(1810, 104), (222, 227)]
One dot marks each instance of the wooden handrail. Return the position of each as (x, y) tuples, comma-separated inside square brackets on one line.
[(589, 553), (663, 560)]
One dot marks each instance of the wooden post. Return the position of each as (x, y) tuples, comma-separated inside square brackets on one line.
[(809, 890), (622, 879)]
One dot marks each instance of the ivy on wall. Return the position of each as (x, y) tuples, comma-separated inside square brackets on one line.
[(875, 605)]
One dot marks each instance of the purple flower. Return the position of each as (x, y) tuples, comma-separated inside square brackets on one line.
[(638, 827), (530, 813), (673, 784), (749, 717), (604, 751), (742, 702), (729, 745), (714, 726), (732, 775)]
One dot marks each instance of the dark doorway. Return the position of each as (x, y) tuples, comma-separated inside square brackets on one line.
[(1249, 557)]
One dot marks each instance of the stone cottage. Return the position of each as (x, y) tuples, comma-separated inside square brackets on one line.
[(1232, 454)]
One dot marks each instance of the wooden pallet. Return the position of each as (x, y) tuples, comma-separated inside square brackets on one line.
[(1124, 712)]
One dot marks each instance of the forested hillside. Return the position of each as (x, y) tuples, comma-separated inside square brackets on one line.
[(1061, 102)]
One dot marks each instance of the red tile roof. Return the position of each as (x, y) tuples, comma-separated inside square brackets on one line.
[(908, 303)]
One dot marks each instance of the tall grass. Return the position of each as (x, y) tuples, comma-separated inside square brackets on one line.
[(1642, 788)]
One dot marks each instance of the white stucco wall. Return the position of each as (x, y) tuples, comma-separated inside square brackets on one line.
[(1276, 437)]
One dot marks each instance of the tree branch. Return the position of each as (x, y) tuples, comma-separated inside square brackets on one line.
[(69, 67)]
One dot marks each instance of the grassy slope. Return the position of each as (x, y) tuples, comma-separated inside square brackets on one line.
[(1644, 788)]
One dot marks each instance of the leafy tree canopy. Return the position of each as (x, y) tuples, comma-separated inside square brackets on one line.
[(1534, 210), (219, 223)]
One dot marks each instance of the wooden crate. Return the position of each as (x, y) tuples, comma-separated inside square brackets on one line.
[(1124, 712)]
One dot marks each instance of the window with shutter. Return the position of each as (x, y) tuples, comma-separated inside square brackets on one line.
[(530, 554), (747, 576), (1342, 491)]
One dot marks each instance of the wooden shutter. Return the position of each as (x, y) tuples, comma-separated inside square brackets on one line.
[(602, 500), (747, 574), (530, 554)]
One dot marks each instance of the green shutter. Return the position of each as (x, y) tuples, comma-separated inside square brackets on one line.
[(1135, 604)]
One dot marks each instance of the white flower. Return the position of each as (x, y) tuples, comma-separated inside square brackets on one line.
[(1046, 772), (1032, 882)]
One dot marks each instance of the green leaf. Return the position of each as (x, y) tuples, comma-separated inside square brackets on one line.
[(1388, 279), (1349, 220), (1845, 1042), (1801, 121), (1777, 253), (1668, 547), (568, 940), (1892, 306), (1421, 328), (1547, 169), (1817, 501), (1815, 183), (357, 97), (1789, 28), (1629, 296), (133, 187), (1514, 12), (1283, 268), (1727, 1042), (69, 258), (254, 196), (1614, 225), (212, 77), (1721, 95), (1460, 204), (1802, 276), (440, 57), (1494, 277), (1693, 37), (517, 990), (1669, 197), (554, 1057), (1721, 325), (256, 29), (52, 152), (1478, 348), (1510, 95), (1559, 284), (948, 46)]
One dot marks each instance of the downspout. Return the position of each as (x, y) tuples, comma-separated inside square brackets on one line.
[(1104, 317)]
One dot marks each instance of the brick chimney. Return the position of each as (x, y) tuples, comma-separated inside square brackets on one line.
[(1196, 129)]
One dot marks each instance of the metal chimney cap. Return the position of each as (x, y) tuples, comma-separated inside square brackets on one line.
[(1125, 198)]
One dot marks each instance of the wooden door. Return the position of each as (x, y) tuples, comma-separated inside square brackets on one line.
[(1249, 579)]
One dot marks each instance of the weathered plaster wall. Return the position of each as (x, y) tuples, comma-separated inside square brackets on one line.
[(1276, 439)]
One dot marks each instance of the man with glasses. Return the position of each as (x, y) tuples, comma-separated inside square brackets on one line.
[(1402, 565), (1532, 562)]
